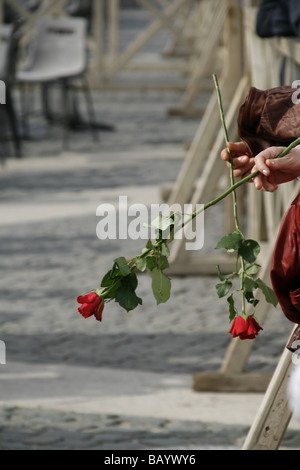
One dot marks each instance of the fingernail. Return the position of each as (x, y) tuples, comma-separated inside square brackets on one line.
[(265, 172)]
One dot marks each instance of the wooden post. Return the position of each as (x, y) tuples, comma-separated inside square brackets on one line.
[(182, 44), (157, 14), (207, 40), (113, 31), (144, 37), (274, 415), (98, 31)]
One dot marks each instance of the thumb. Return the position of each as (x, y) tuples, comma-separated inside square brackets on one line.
[(282, 164), (263, 157)]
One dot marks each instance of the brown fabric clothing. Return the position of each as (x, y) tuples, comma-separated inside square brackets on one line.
[(269, 118)]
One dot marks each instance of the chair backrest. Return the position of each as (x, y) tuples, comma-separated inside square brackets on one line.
[(10, 36), (60, 45), (81, 8)]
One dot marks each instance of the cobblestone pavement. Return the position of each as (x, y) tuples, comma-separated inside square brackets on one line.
[(124, 384)]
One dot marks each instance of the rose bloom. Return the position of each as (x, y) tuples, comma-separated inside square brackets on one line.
[(92, 304), (245, 329)]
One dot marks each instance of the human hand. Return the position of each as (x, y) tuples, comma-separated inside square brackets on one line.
[(274, 172), (243, 159)]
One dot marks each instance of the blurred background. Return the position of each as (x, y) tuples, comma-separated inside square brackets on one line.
[(109, 98)]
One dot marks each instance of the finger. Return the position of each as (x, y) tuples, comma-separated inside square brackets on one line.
[(262, 183), (260, 164), (243, 170), (267, 186), (240, 173), (280, 164), (241, 161), (258, 183), (225, 155), (239, 148), (269, 154)]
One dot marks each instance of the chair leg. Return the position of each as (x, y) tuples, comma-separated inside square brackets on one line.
[(90, 109), (45, 91), (11, 114), (24, 111), (65, 100)]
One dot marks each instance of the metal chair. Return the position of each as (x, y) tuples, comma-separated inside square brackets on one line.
[(9, 45), (58, 55)]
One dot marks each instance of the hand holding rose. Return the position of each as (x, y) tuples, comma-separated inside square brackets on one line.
[(273, 171)]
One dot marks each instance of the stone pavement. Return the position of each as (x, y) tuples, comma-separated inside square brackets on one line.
[(71, 383)]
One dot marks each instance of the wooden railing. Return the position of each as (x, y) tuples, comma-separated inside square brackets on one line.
[(108, 58)]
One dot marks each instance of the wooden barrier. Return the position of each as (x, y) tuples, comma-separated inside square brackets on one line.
[(210, 29), (202, 164), (266, 58), (107, 59), (274, 414), (265, 214)]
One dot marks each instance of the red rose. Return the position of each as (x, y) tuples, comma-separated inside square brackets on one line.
[(253, 328), (245, 329), (92, 304), (239, 327)]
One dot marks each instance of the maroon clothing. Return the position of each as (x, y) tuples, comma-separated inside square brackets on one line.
[(285, 269)]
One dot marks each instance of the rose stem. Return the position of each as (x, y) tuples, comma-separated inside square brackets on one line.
[(235, 211), (229, 151)]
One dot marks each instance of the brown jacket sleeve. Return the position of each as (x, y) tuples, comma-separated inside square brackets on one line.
[(269, 118)]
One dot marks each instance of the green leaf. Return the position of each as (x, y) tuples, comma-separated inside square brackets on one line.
[(123, 266), (165, 251), (252, 269), (161, 286), (223, 289), (107, 280), (162, 263), (251, 299), (125, 294), (127, 299), (268, 293), (232, 310), (149, 245), (249, 250), (249, 284), (151, 262), (141, 264), (230, 242), (225, 277), (130, 282)]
